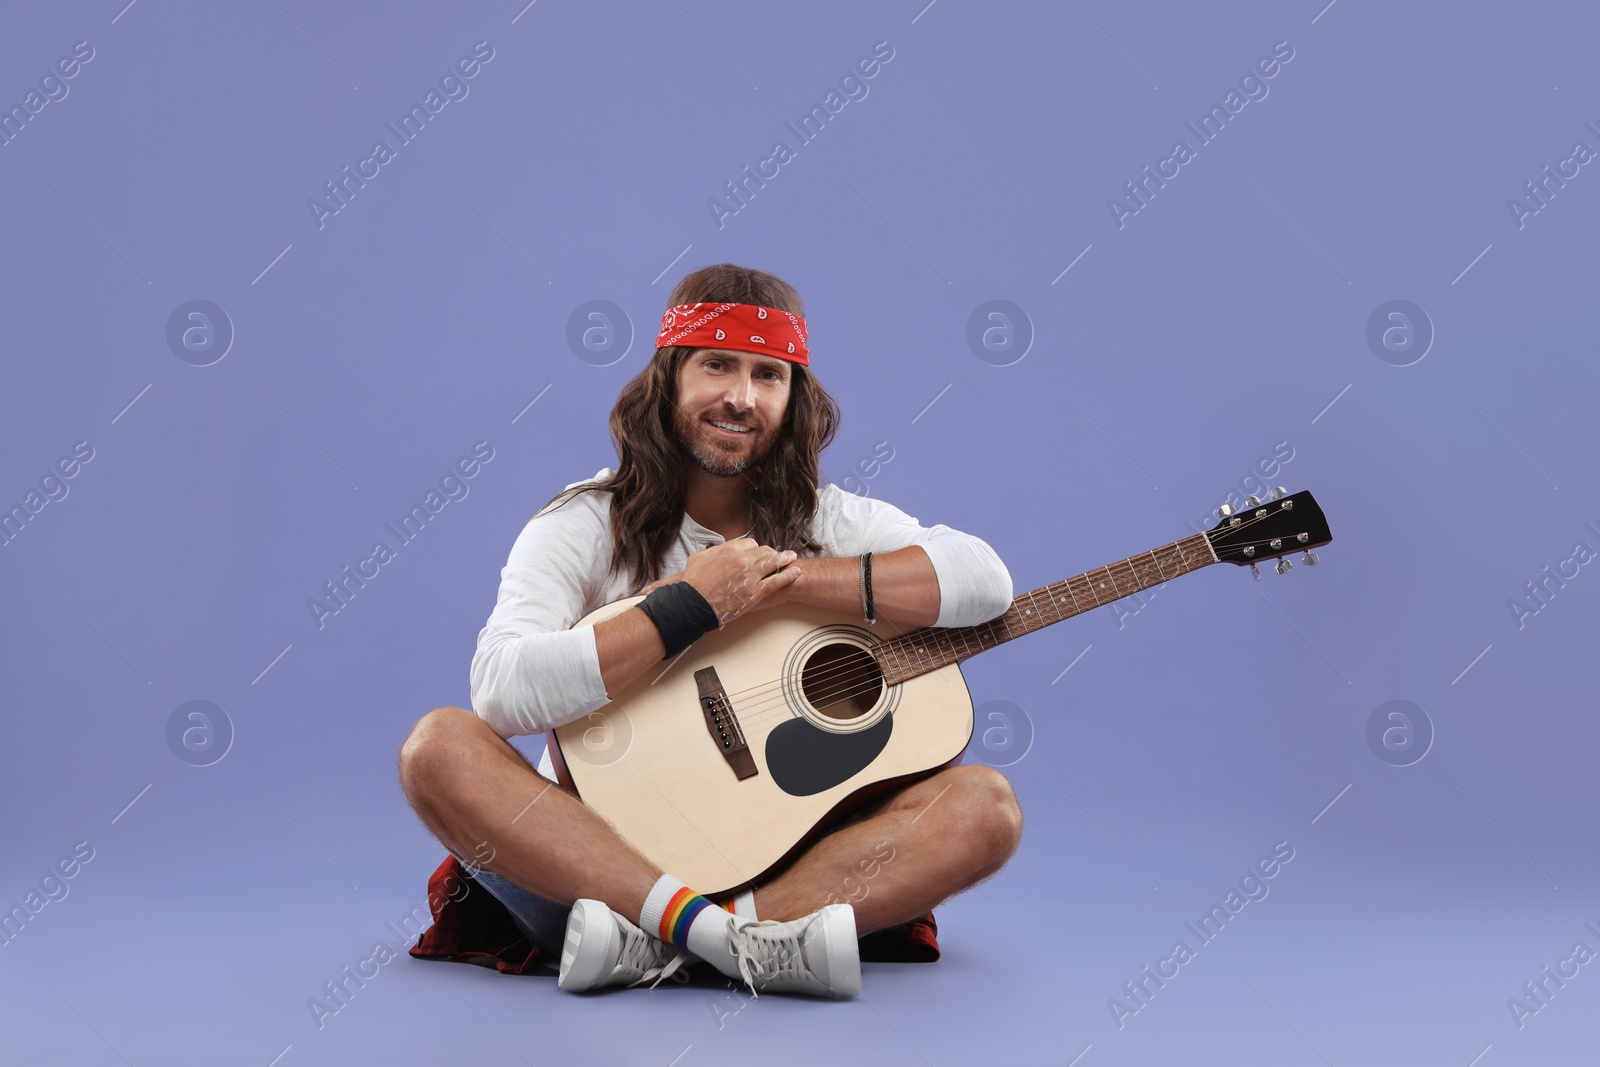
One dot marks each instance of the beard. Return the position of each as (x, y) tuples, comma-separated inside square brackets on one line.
[(715, 455)]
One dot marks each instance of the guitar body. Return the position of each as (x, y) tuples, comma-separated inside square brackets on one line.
[(821, 734)]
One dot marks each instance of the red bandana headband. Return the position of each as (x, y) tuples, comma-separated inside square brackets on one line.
[(744, 327)]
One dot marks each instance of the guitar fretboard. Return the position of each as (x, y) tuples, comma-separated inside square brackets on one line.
[(931, 647)]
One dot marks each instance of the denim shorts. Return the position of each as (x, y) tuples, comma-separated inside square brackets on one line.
[(544, 921)]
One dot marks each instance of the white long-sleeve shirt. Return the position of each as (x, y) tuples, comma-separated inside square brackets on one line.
[(533, 671)]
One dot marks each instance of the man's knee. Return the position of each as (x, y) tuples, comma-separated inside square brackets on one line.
[(989, 806), (435, 738)]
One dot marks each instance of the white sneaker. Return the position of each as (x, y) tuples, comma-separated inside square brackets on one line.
[(603, 949), (816, 955)]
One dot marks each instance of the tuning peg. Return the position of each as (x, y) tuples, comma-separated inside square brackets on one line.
[(1224, 511), (1310, 559), (1278, 493), (1252, 502), (1284, 565), (1255, 571)]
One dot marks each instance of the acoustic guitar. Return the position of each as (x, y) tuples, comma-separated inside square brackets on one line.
[(726, 762)]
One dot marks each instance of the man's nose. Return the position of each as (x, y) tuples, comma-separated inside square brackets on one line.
[(741, 394)]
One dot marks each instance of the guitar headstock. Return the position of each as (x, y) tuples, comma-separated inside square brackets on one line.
[(1270, 529)]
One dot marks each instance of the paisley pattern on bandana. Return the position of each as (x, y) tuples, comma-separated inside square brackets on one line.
[(743, 327)]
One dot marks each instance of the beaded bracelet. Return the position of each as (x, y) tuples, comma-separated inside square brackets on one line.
[(866, 587)]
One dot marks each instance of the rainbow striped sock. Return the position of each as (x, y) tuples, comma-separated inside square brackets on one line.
[(677, 914)]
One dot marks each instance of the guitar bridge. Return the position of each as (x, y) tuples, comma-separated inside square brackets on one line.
[(723, 724)]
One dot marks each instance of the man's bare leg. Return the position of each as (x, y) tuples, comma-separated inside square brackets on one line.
[(941, 835), (478, 796), (481, 799)]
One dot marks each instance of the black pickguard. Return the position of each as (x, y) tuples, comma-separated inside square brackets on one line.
[(804, 760)]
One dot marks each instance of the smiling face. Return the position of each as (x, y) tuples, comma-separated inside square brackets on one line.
[(746, 392)]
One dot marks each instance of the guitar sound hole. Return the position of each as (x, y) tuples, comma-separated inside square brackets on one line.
[(841, 681)]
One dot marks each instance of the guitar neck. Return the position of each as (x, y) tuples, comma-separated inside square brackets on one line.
[(931, 647)]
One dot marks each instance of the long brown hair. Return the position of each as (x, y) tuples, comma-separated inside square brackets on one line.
[(647, 488)]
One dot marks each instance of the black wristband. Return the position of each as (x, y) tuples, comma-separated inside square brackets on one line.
[(681, 614)]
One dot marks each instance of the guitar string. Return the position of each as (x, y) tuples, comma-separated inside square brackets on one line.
[(1085, 577), (866, 676), (859, 679), (940, 642), (839, 676), (886, 648), (847, 682)]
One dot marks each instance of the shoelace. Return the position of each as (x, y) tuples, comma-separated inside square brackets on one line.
[(671, 970), (781, 952), (642, 954)]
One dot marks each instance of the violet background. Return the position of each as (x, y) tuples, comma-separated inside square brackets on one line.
[(1228, 315)]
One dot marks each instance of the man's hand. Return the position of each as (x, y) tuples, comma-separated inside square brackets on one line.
[(737, 576)]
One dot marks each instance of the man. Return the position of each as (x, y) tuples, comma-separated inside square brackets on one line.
[(715, 511)]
